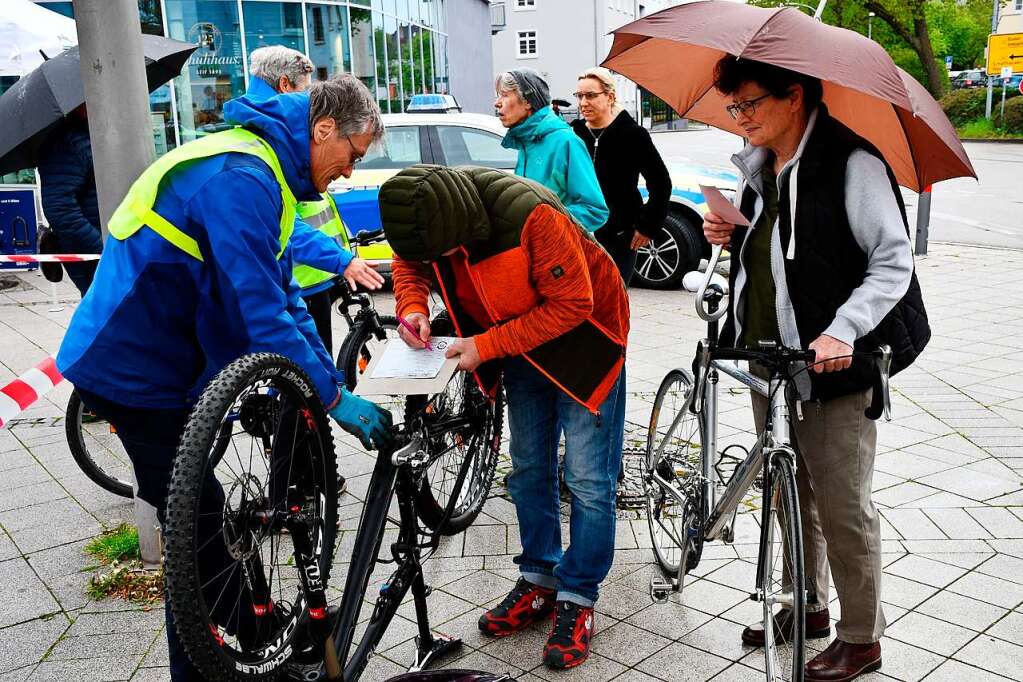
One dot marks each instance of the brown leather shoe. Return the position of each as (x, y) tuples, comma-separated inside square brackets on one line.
[(818, 625), (843, 661)]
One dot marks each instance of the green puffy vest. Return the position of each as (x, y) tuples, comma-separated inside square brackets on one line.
[(136, 211), (320, 215)]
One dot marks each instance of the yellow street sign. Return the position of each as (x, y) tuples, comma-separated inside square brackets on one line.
[(1004, 49)]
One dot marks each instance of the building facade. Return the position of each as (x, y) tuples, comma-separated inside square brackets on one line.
[(398, 48), (561, 38), (1010, 17)]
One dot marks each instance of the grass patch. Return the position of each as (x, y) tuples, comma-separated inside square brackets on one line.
[(120, 573), (983, 128), (119, 544)]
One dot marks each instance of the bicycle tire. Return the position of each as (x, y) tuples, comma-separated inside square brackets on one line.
[(781, 505), (264, 389), (674, 516), (431, 496), (74, 428)]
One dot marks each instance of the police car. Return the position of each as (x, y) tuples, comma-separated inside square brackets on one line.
[(475, 139)]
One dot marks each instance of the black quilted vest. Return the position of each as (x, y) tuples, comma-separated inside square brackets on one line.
[(829, 264)]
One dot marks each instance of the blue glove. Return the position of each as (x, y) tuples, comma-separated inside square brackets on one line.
[(367, 421)]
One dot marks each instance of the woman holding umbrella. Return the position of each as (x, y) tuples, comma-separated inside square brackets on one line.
[(827, 264), (833, 127)]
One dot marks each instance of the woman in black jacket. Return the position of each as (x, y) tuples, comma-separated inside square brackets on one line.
[(622, 151)]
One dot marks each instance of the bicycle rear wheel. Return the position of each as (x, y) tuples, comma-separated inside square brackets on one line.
[(256, 457), (674, 475), (478, 441), (94, 444), (781, 576)]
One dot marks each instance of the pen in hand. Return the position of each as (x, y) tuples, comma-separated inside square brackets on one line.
[(412, 330)]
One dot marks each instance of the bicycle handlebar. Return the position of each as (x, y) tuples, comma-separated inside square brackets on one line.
[(367, 237), (704, 314)]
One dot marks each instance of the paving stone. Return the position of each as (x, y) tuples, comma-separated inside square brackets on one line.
[(954, 608), (912, 524), (628, 644), (993, 655), (907, 662), (24, 644), (669, 620), (930, 633), (989, 589), (681, 663), (1001, 523), (974, 485), (95, 669), (954, 671), (25, 595), (1009, 628), (482, 588), (957, 524), (924, 570)]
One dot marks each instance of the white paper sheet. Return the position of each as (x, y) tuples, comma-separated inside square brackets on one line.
[(401, 362)]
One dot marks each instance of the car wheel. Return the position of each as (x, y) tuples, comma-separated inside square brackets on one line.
[(670, 255)]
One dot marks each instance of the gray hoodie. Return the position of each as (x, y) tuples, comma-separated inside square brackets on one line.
[(877, 227)]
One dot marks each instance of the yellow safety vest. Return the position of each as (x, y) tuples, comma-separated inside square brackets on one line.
[(320, 215), (136, 211)]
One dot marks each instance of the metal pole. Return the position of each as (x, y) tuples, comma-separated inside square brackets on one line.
[(117, 98), (923, 221), (990, 80), (1004, 80)]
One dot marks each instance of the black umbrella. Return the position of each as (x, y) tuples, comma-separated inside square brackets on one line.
[(39, 101)]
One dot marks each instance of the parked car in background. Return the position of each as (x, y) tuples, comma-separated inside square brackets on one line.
[(1013, 83), (433, 104), (972, 78), (475, 139)]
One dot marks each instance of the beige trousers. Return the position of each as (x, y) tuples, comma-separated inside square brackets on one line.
[(835, 445)]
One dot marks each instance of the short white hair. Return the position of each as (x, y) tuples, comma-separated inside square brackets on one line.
[(274, 61), (607, 79)]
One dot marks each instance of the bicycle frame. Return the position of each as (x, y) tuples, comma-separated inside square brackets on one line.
[(395, 473)]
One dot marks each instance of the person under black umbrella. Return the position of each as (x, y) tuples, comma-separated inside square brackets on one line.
[(67, 184)]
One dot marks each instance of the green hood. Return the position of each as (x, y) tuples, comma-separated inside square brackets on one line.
[(428, 210)]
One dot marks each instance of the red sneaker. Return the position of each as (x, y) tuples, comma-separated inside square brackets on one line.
[(569, 642), (525, 604)]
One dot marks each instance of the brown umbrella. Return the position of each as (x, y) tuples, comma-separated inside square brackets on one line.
[(672, 54)]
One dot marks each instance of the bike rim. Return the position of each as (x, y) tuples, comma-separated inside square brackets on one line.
[(781, 578), (479, 446), (259, 486), (98, 441)]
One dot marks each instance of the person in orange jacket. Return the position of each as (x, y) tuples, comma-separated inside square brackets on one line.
[(532, 294)]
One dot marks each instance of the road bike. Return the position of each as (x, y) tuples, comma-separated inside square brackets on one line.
[(250, 535), (693, 491)]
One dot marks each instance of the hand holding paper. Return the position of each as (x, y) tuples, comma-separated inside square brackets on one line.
[(722, 207)]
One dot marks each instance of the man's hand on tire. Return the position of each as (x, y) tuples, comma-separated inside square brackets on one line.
[(368, 422)]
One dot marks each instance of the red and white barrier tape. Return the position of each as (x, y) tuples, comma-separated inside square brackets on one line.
[(47, 257), (18, 395)]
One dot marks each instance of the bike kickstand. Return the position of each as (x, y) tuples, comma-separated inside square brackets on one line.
[(429, 646)]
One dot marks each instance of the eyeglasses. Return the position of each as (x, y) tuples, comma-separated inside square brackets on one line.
[(356, 156), (588, 96), (747, 108)]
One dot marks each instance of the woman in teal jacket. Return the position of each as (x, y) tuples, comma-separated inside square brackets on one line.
[(549, 151)]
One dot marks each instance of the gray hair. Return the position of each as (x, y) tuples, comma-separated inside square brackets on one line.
[(270, 63), (349, 102), (505, 82)]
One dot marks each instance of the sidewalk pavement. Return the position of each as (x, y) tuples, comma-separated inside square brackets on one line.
[(949, 483)]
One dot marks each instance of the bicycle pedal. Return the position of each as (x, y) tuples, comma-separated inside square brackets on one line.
[(660, 590)]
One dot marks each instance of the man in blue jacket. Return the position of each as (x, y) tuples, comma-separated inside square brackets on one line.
[(68, 189), (277, 69), (171, 307)]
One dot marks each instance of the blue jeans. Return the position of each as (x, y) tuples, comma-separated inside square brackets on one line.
[(536, 408)]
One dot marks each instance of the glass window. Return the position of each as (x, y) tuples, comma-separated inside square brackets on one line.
[(150, 14), (526, 44), (363, 62), (65, 8), (408, 64), (471, 146), (273, 23), (380, 46), (164, 137), (328, 39), (424, 12), (214, 73), (399, 149), (394, 89), (440, 63), (428, 61)]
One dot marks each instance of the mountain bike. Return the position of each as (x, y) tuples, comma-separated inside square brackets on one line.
[(250, 534), (693, 498)]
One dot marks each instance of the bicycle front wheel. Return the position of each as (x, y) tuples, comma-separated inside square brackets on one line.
[(673, 477), (781, 579), (94, 444), (256, 464)]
